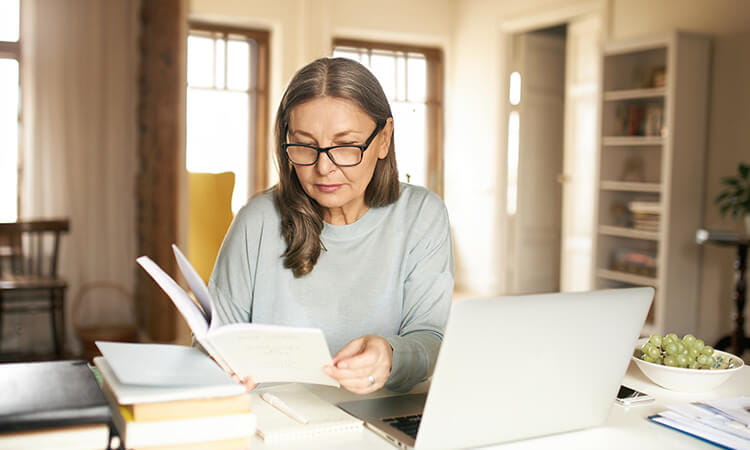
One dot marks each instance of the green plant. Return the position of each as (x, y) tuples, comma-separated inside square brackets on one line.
[(734, 198)]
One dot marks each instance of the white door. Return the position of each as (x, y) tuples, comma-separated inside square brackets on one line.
[(582, 79), (534, 246)]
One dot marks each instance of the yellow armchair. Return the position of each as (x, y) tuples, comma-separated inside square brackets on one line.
[(210, 200)]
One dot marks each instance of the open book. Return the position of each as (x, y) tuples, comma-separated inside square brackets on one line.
[(266, 353)]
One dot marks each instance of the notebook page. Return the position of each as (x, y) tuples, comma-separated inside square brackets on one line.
[(324, 418)]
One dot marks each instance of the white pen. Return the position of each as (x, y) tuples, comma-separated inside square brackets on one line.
[(277, 403)]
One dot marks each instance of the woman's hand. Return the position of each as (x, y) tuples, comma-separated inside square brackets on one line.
[(247, 382), (363, 365)]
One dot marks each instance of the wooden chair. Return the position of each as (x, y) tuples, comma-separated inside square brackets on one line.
[(29, 253)]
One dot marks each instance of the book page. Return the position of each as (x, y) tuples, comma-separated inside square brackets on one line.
[(196, 284), (189, 310), (273, 353)]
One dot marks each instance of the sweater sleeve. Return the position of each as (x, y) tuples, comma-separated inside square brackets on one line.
[(232, 281), (427, 297)]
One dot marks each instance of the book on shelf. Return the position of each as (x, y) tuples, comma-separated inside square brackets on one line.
[(57, 402), (724, 422), (322, 417), (637, 262), (265, 353), (144, 418), (645, 207)]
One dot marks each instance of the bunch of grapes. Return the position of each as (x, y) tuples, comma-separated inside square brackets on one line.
[(672, 351)]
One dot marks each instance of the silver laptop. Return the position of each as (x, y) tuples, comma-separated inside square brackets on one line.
[(512, 368)]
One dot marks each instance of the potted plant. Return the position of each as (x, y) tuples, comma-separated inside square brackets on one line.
[(734, 199)]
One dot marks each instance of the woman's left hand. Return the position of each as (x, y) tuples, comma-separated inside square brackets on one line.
[(363, 365)]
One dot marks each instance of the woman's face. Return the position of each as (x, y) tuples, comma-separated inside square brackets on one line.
[(328, 121)]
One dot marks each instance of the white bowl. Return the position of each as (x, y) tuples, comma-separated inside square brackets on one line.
[(689, 380)]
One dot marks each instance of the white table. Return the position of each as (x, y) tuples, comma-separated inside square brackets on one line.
[(625, 428)]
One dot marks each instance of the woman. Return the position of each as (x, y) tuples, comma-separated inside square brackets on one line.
[(339, 244)]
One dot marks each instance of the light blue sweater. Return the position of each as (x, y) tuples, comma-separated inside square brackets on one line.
[(390, 273)]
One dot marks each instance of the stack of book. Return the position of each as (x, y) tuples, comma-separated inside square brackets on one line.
[(724, 422), (52, 404), (645, 215), (183, 400)]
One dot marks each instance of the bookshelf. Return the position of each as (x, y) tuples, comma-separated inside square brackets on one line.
[(650, 177)]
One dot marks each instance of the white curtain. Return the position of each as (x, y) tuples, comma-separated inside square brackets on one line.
[(79, 90)]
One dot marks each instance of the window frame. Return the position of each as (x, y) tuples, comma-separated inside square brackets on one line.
[(259, 155), (433, 101)]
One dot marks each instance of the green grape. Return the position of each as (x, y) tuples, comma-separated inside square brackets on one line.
[(688, 340), (655, 340), (671, 348), (673, 337), (694, 365), (682, 360), (654, 352), (711, 361), (707, 350), (702, 360), (699, 344), (670, 361), (680, 347), (648, 358), (693, 353)]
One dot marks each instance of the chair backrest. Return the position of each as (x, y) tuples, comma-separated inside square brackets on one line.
[(31, 247)]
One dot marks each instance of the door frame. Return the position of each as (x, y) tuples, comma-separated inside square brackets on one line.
[(522, 24)]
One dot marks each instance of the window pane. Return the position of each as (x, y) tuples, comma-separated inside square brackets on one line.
[(200, 61), (8, 140), (351, 53), (219, 142), (238, 65), (417, 78), (10, 19), (410, 131), (384, 68), (220, 61)]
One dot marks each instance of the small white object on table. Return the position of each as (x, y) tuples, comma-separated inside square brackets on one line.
[(625, 428)]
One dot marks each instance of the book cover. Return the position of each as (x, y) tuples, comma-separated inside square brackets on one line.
[(129, 394), (50, 394), (172, 432), (181, 409), (266, 353)]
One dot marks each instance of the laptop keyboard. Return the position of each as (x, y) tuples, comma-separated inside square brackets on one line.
[(407, 424)]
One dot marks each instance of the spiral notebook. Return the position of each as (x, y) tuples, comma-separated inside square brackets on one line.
[(274, 426)]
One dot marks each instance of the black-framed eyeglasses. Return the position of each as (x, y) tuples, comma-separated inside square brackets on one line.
[(342, 155)]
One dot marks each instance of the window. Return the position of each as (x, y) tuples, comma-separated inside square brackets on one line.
[(227, 105), (10, 20), (412, 80)]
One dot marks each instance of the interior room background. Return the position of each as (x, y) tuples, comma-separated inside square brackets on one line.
[(79, 116)]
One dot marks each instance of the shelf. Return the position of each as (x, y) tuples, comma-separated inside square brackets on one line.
[(635, 94), (627, 277), (631, 141), (628, 233), (629, 186)]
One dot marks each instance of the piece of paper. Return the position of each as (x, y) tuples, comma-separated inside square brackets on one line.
[(162, 365), (189, 310)]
